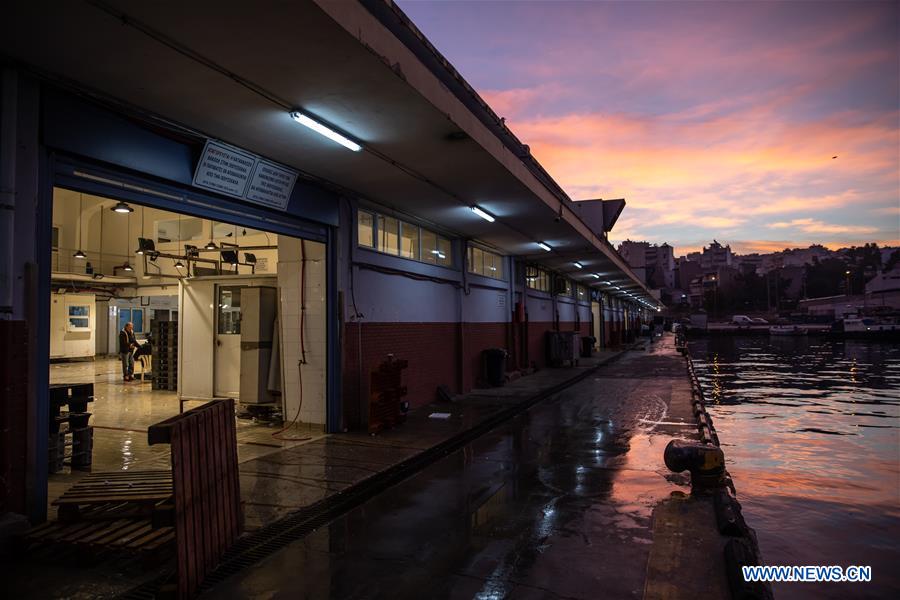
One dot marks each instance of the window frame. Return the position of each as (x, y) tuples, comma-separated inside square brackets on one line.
[(441, 255)]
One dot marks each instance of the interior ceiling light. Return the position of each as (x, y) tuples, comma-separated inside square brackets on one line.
[(79, 254), (578, 265), (179, 265), (483, 214), (210, 245), (328, 132), (127, 267), (122, 208), (595, 275), (544, 246)]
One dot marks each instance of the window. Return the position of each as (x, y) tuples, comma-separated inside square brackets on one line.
[(581, 292), (229, 310), (388, 235), (476, 260), (482, 262), (399, 238), (537, 279), (79, 317), (409, 241), (365, 228)]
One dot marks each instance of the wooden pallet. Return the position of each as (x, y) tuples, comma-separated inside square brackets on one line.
[(142, 489), (206, 507), (97, 537)]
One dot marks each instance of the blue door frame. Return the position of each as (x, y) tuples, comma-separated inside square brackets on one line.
[(78, 174)]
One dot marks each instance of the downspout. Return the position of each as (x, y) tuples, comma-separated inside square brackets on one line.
[(461, 294), (8, 121)]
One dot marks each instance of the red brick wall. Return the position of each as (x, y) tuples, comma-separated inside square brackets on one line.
[(478, 337), (14, 357), (432, 350)]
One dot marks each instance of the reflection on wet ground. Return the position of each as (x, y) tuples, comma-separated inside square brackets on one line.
[(122, 412), (554, 503), (811, 431)]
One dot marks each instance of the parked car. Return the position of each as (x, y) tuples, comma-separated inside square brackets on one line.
[(741, 320), (759, 321)]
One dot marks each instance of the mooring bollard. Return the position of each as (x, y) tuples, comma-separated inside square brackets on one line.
[(705, 462)]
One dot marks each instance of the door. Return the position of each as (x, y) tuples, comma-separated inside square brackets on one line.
[(228, 342), (57, 325)]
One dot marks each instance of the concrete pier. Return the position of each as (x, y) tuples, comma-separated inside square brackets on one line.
[(569, 499)]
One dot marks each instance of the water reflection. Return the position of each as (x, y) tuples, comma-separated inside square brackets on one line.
[(812, 435)]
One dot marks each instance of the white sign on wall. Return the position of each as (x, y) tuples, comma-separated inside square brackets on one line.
[(241, 174)]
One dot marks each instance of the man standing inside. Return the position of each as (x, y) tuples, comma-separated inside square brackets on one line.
[(127, 344)]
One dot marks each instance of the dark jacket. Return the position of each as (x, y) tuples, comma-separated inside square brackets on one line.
[(126, 339)]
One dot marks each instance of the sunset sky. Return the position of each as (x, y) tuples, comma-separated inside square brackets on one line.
[(713, 119)]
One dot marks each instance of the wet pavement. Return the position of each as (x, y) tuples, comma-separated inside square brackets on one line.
[(555, 503)]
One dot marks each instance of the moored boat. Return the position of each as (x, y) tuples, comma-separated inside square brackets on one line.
[(787, 330)]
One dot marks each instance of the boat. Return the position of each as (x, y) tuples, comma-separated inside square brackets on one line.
[(866, 327), (787, 330)]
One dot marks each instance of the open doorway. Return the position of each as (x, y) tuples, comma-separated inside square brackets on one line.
[(215, 309)]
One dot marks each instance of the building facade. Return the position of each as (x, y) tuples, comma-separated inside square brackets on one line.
[(390, 210)]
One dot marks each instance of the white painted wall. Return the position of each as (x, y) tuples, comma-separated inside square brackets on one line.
[(71, 344), (312, 409)]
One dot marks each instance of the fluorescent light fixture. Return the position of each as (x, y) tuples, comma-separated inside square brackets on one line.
[(595, 276), (578, 265), (483, 214), (607, 283), (617, 287), (321, 129), (79, 254), (544, 246), (121, 207)]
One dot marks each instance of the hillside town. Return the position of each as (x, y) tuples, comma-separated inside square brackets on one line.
[(813, 282)]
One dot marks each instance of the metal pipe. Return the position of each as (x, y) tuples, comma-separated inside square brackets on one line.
[(8, 122)]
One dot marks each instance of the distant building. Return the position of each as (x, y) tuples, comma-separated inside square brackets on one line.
[(635, 254), (654, 265), (716, 255)]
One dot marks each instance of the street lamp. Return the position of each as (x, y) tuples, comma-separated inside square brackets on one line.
[(847, 273)]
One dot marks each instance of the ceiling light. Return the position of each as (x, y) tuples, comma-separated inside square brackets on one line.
[(595, 276), (483, 214), (127, 267), (179, 265), (211, 245), (578, 265), (544, 246), (121, 207), (79, 254), (321, 129)]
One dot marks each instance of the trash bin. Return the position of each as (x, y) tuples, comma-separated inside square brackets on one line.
[(587, 346), (495, 366)]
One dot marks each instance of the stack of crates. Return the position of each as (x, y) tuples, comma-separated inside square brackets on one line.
[(69, 428), (165, 361)]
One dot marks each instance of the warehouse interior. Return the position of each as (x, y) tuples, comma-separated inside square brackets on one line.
[(218, 310)]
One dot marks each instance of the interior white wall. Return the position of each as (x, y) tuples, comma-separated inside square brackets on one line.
[(71, 344), (312, 409)]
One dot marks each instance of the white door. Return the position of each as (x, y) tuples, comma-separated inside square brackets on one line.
[(57, 325), (228, 342)]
